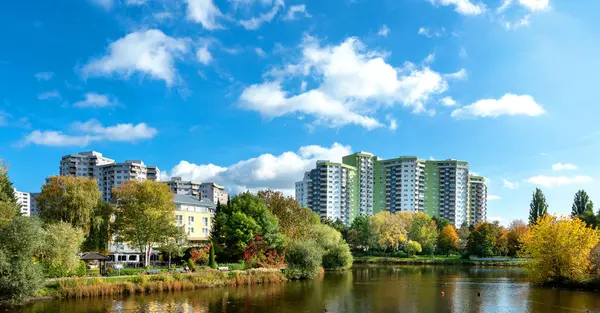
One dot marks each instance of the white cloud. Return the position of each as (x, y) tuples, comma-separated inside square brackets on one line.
[(150, 52), (535, 5), (303, 86), (204, 12), (105, 4), (460, 75), (518, 24), (278, 172), (383, 31), (204, 56), (464, 7), (510, 184), (43, 76), (429, 33), (135, 2), (48, 95), (92, 130), (95, 100), (393, 125), (448, 101), (430, 58), (260, 52), (509, 104), (563, 167), (353, 81), (296, 10), (493, 197), (463, 53), (255, 22), (552, 181), (505, 5)]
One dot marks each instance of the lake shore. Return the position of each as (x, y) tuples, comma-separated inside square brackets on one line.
[(164, 282), (439, 260)]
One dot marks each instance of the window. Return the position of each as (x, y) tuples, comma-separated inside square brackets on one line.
[(122, 258), (205, 221), (190, 230), (190, 219), (205, 231), (133, 258), (179, 220)]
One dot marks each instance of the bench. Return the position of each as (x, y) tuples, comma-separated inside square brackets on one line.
[(153, 271), (224, 269)]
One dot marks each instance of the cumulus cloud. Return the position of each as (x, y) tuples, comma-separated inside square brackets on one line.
[(448, 101), (554, 181), (204, 12), (84, 133), (49, 95), (531, 5), (352, 82), (430, 33), (96, 100), (461, 74), (464, 7), (278, 172), (509, 104), (295, 12), (563, 167), (383, 31), (44, 76), (510, 184), (148, 52)]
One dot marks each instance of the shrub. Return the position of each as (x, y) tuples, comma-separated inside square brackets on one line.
[(211, 257), (412, 247), (191, 265), (161, 277), (140, 279), (303, 259), (338, 257)]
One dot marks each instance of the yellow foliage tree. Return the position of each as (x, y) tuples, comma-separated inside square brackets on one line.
[(391, 230), (560, 250), (448, 240)]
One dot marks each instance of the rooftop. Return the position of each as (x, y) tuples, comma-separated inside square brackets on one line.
[(193, 200)]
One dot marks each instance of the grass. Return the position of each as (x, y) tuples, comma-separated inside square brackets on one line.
[(165, 282), (438, 260)]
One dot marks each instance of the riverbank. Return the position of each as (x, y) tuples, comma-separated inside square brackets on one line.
[(439, 260), (164, 282)]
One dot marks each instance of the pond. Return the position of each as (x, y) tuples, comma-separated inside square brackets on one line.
[(362, 289)]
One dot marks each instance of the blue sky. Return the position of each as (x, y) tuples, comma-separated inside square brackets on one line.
[(250, 93)]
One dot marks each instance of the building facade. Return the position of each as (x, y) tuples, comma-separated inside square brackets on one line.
[(114, 175), (24, 200), (477, 199), (194, 216), (33, 208), (209, 191), (405, 184), (214, 193), (82, 164)]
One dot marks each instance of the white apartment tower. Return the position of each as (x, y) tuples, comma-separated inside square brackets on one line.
[(115, 174), (24, 200), (209, 191), (82, 164), (400, 183), (477, 199)]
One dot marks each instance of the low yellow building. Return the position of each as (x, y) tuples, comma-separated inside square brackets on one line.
[(195, 216)]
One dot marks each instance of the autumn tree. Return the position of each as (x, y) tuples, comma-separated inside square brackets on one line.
[(69, 199), (538, 206), (391, 230), (145, 214), (448, 240), (424, 231), (501, 245), (482, 240), (9, 207), (517, 234), (560, 248), (174, 245), (293, 219)]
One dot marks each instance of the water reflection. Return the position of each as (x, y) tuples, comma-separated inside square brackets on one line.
[(364, 289)]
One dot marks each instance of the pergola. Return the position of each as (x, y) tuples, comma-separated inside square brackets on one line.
[(94, 256)]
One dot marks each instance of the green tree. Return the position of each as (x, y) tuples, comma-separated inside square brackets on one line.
[(58, 254), (412, 247), (174, 246), (581, 204), (538, 206), (303, 259), (463, 237), (145, 214), (360, 234), (69, 199), (293, 219), (211, 257), (9, 206), (482, 240), (20, 277), (101, 228), (424, 231), (440, 222)]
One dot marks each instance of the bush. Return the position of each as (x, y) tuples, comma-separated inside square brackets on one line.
[(191, 265), (338, 257), (211, 257), (140, 279), (303, 259), (412, 247), (161, 277)]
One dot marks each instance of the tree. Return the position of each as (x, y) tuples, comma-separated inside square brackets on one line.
[(360, 234), (538, 206), (101, 228), (391, 230), (211, 257), (518, 232), (463, 237), (560, 249), (303, 259), (412, 247), (20, 277), (448, 240), (581, 204), (293, 219), (174, 246), (440, 222), (69, 199), (9, 207), (58, 254), (145, 214), (424, 231), (482, 240), (501, 246)]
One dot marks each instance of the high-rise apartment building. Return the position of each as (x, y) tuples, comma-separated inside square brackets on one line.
[(477, 199), (404, 184), (364, 163), (214, 193), (184, 187), (209, 191), (24, 200), (82, 164), (331, 190), (33, 208)]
